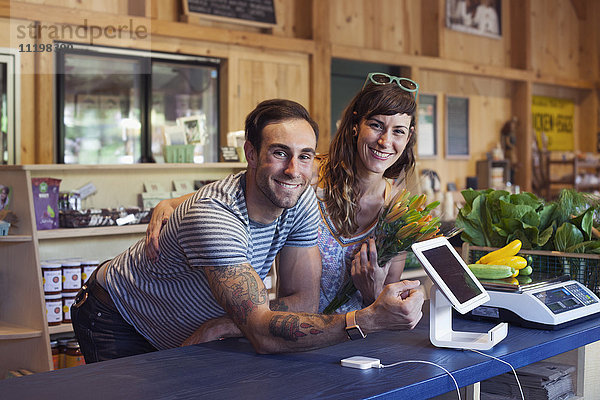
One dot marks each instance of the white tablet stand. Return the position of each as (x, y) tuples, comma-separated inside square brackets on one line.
[(442, 335)]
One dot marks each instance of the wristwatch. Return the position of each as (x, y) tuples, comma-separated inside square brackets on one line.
[(352, 329)]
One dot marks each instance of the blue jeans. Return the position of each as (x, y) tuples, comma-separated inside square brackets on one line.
[(102, 333)]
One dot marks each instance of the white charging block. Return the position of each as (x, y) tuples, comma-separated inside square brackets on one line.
[(360, 362)]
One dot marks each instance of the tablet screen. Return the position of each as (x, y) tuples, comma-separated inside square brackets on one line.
[(452, 272)]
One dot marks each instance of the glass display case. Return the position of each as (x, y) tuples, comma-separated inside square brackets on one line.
[(120, 106)]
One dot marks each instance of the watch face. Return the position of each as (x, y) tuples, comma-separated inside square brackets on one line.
[(354, 333)]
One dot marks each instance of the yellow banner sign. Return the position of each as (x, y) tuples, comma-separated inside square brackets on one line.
[(553, 117)]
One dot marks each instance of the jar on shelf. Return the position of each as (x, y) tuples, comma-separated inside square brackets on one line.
[(68, 298), (62, 352), (71, 276), (87, 267), (54, 348), (54, 309), (51, 277), (73, 357)]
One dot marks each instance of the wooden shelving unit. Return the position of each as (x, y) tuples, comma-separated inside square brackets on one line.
[(24, 331), (567, 178)]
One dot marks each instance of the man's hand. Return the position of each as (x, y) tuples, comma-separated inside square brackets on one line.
[(213, 329), (399, 306)]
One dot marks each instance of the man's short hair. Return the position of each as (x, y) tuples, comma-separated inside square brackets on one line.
[(272, 112)]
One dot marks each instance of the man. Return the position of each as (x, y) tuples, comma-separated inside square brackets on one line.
[(216, 249)]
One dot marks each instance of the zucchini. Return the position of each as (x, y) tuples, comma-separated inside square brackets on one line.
[(509, 250), (526, 271), (529, 259), (524, 280), (489, 271)]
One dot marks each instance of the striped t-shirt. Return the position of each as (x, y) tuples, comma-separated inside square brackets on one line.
[(167, 300)]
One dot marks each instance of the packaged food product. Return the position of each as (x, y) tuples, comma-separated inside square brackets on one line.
[(45, 202)]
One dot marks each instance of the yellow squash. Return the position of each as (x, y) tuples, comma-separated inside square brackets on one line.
[(516, 262), (509, 250)]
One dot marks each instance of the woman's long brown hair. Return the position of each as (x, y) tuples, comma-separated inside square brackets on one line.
[(338, 172)]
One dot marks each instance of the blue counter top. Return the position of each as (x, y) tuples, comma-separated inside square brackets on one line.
[(230, 368)]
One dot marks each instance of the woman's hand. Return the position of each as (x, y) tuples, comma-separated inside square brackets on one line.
[(160, 215), (367, 275)]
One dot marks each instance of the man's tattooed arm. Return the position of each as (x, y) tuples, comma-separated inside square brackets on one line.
[(290, 326), (237, 289), (278, 305), (241, 292)]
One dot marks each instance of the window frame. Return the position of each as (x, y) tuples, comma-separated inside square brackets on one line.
[(146, 60), (12, 59)]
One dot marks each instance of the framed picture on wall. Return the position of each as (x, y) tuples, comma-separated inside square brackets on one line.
[(479, 17), (427, 126), (194, 128), (457, 127)]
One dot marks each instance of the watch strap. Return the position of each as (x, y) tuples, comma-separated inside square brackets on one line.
[(352, 328)]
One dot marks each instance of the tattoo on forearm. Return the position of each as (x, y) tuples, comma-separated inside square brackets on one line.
[(289, 327), (237, 288), (278, 305)]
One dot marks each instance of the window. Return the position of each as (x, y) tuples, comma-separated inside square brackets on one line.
[(457, 140), (9, 113), (427, 125), (114, 105)]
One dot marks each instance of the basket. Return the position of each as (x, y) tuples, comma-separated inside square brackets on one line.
[(584, 268), (100, 217), (179, 153)]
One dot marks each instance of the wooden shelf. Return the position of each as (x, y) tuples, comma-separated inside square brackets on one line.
[(16, 238), (23, 251), (12, 332), (574, 167), (150, 167), (62, 328), (66, 233)]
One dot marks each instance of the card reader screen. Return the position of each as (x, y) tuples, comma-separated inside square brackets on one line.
[(453, 273)]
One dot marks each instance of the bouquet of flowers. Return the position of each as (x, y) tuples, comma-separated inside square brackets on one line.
[(406, 220)]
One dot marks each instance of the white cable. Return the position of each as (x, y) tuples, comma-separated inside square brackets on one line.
[(425, 362), (507, 363)]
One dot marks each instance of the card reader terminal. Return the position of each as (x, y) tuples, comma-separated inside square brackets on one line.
[(546, 306)]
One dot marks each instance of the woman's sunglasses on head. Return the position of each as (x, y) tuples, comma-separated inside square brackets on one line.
[(379, 78)]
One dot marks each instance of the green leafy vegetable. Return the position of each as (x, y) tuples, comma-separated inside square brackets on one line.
[(494, 218)]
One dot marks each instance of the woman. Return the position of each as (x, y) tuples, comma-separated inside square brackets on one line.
[(373, 146)]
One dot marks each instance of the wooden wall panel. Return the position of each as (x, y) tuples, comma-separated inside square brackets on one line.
[(455, 45), (377, 24), (489, 109), (105, 6), (589, 51), (555, 38), (259, 79), (294, 18), (168, 10)]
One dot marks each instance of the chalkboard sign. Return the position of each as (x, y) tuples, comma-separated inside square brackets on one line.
[(253, 12)]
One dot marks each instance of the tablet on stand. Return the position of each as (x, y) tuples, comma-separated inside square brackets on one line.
[(454, 285)]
